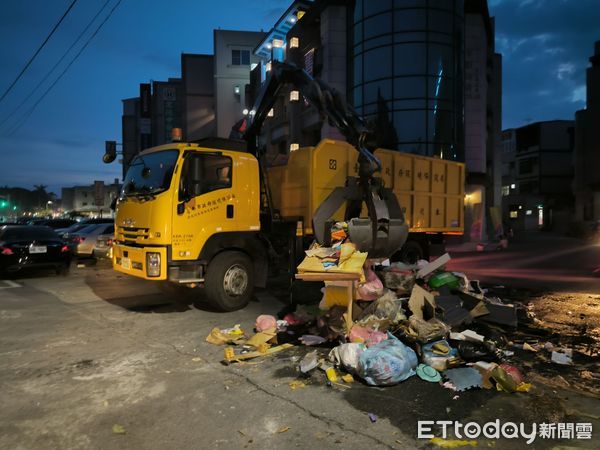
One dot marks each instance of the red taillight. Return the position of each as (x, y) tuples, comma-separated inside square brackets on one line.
[(6, 251), (78, 239), (64, 249)]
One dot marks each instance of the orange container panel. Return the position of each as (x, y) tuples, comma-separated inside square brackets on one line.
[(430, 190), (422, 175), (421, 211), (403, 171), (437, 211), (405, 200)]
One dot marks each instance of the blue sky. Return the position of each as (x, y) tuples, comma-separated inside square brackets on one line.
[(546, 45)]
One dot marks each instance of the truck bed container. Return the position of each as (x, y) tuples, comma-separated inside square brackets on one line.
[(429, 190)]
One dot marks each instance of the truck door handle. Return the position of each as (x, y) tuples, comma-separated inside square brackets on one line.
[(230, 211)]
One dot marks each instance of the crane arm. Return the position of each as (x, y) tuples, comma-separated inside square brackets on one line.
[(385, 230)]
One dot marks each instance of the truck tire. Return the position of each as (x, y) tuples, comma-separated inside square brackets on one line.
[(229, 281), (411, 252)]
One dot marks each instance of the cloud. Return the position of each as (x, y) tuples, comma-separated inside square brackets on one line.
[(578, 94), (565, 70), (546, 47)]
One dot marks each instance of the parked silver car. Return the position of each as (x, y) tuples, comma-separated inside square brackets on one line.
[(73, 229), (84, 240), (103, 247)]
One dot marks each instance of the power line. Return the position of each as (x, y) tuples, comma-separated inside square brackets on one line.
[(37, 51), (14, 111), (32, 109)]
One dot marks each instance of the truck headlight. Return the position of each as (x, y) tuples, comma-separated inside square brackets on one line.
[(153, 264)]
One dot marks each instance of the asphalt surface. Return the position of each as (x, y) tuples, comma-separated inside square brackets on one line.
[(98, 360), (534, 260)]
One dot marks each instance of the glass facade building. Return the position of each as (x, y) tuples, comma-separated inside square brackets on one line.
[(407, 71)]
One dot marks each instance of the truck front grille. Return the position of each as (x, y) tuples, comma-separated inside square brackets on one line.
[(132, 234)]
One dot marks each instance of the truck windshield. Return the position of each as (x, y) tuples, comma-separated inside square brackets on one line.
[(150, 174)]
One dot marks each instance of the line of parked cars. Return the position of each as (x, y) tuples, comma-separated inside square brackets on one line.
[(53, 243)]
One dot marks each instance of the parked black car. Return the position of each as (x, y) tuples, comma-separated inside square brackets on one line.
[(25, 246), (53, 223)]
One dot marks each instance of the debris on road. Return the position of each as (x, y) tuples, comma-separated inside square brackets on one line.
[(386, 322), (118, 429), (296, 384), (233, 335), (452, 443), (562, 356)]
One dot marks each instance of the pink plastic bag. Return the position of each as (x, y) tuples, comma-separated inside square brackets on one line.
[(372, 289), (375, 338), (265, 322), (359, 334)]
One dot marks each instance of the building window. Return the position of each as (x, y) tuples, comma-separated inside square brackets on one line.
[(505, 191), (240, 57), (528, 187), (514, 214), (294, 42), (407, 64), (309, 59), (528, 165)]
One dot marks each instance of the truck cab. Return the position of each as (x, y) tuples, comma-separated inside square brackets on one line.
[(184, 205)]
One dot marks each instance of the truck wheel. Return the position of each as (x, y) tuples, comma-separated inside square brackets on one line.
[(411, 252), (229, 281)]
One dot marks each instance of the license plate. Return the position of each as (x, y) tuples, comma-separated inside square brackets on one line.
[(126, 263), (37, 249)]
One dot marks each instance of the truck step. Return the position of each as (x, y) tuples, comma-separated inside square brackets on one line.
[(191, 280)]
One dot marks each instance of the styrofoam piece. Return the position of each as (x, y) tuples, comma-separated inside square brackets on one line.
[(434, 265)]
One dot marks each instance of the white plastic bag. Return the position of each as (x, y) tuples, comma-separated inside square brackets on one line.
[(347, 355)]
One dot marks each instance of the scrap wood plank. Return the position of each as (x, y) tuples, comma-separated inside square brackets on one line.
[(329, 276), (351, 278), (255, 354)]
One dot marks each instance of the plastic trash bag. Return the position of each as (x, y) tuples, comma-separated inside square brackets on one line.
[(388, 306), (375, 338), (358, 334), (387, 363), (373, 288), (309, 362), (265, 322), (346, 355)]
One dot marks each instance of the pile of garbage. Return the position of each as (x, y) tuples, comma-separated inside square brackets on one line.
[(404, 320)]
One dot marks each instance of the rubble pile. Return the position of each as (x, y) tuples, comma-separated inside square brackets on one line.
[(395, 321)]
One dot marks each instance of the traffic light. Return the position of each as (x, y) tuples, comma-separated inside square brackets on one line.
[(110, 152), (3, 203)]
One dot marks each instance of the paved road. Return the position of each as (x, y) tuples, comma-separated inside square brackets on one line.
[(82, 353), (535, 260)]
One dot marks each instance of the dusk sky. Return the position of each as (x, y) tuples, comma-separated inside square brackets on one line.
[(545, 45)]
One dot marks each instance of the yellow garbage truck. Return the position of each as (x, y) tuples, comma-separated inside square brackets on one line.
[(210, 213)]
